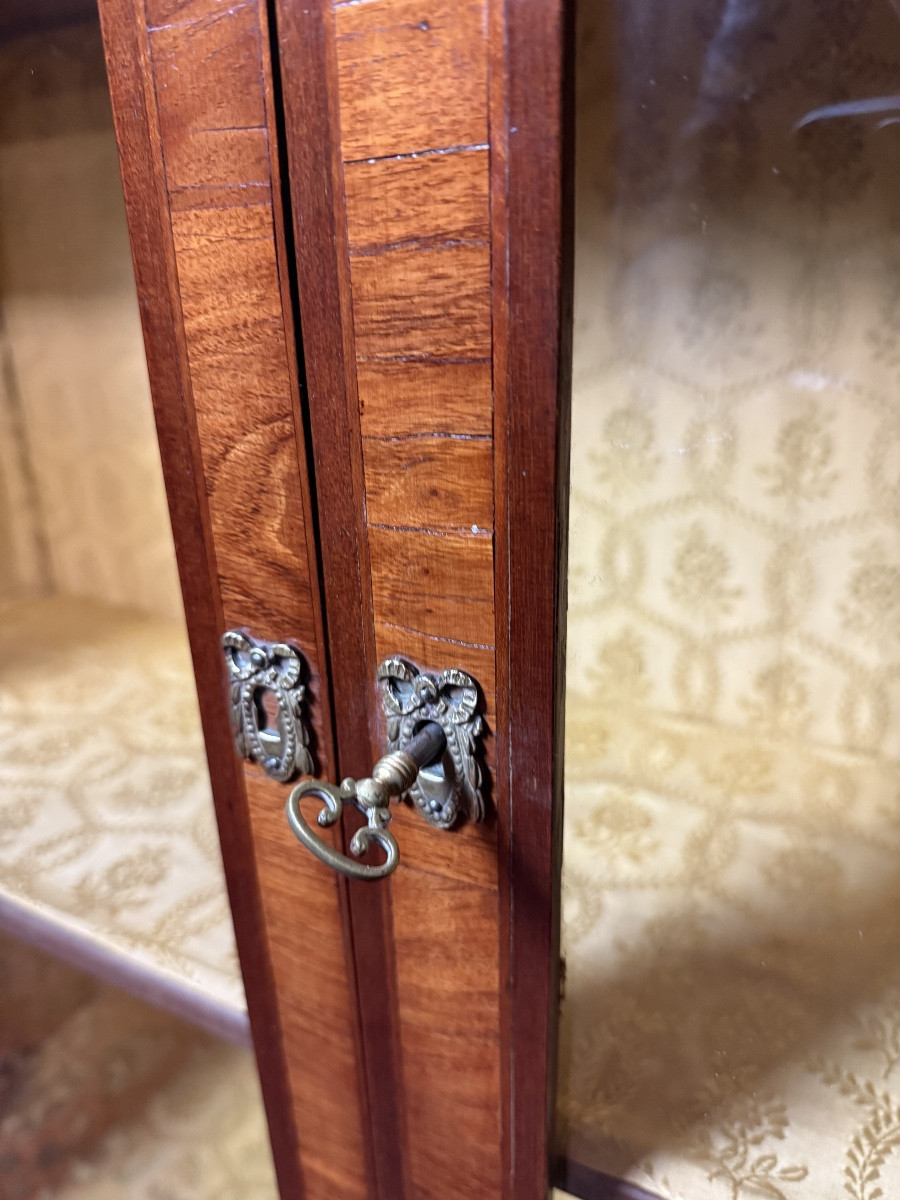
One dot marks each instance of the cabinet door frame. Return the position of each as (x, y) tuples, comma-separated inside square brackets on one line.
[(541, 215), (528, 44), (205, 211), (529, 47)]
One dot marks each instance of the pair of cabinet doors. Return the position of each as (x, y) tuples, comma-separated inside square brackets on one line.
[(348, 224)]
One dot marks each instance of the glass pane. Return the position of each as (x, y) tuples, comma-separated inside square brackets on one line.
[(731, 1023), (108, 848), (107, 1098)]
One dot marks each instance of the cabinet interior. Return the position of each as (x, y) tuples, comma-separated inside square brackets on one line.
[(104, 1096), (109, 856), (731, 888), (110, 869)]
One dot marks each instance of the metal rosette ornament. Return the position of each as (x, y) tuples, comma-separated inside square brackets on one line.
[(256, 670), (410, 699)]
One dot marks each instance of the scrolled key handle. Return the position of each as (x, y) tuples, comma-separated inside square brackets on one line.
[(391, 776)]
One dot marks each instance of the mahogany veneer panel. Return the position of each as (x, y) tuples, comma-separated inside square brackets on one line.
[(399, 140), (236, 349), (384, 197), (470, 858), (412, 76), (448, 1009), (214, 283), (212, 123), (440, 483), (423, 302), (400, 399), (437, 583), (304, 938)]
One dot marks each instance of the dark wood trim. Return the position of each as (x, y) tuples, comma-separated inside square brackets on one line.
[(312, 139), (532, 439), (498, 135), (154, 265), (588, 1184)]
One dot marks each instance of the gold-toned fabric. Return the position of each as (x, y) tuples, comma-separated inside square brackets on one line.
[(103, 1097), (107, 828), (82, 502), (731, 1026), (108, 848), (202, 1138)]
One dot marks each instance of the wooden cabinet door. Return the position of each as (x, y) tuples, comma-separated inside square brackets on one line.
[(425, 153), (349, 231), (193, 105), (350, 223)]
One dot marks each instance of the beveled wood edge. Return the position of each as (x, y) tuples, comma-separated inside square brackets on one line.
[(532, 138), (306, 50), (588, 1184), (140, 154)]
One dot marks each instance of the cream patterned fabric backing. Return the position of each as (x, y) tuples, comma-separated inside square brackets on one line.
[(203, 1137), (81, 491), (108, 844), (731, 1026), (107, 828), (105, 1098)]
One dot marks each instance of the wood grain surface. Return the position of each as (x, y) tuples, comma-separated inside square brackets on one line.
[(192, 99), (404, 242), (534, 173), (429, 485), (412, 76), (431, 546), (400, 399), (428, 299), (384, 201)]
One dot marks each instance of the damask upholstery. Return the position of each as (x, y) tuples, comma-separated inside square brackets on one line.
[(731, 1023), (82, 502), (203, 1137), (108, 846), (103, 1097)]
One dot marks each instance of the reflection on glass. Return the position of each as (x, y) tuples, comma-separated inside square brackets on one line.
[(731, 1027), (108, 1098), (108, 847)]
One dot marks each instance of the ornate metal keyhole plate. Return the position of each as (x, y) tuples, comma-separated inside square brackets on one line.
[(410, 699), (267, 704)]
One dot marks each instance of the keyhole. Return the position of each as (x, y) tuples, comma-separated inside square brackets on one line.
[(266, 711)]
